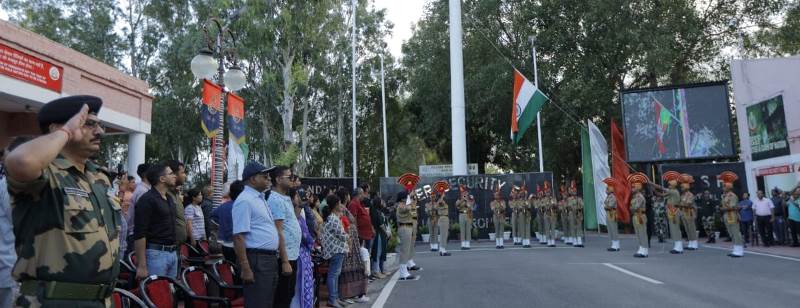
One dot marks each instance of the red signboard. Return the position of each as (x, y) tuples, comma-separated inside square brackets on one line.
[(774, 170), (22, 66)]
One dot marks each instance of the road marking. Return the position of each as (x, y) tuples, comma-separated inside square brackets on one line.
[(596, 263), (648, 279), (387, 290), (495, 249), (758, 253)]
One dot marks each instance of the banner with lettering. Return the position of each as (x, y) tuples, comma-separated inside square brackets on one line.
[(210, 108)]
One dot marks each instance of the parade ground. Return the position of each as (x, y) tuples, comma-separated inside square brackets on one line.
[(592, 277)]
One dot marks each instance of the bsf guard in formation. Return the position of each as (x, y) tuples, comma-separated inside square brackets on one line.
[(406, 213), (66, 226), (498, 207), (465, 205), (610, 205), (689, 211), (513, 203), (526, 212), (551, 214), (638, 215), (730, 209), (672, 200), (563, 215), (540, 221), (443, 222), (575, 208), (433, 227)]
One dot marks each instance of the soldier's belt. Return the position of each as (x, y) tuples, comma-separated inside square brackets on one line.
[(405, 224), (66, 290)]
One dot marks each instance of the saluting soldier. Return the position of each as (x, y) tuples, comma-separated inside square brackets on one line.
[(672, 199), (638, 216), (66, 225), (689, 211), (443, 222), (498, 207), (730, 209), (610, 205), (551, 215), (409, 182), (464, 207), (575, 206), (433, 227)]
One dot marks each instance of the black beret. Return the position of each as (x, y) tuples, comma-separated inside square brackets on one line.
[(60, 110)]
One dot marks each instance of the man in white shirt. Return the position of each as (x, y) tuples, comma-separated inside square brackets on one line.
[(765, 214)]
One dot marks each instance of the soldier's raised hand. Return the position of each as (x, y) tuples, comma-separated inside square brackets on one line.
[(75, 124)]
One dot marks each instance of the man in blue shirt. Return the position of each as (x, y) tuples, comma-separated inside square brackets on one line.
[(289, 233), (255, 238), (746, 217), (223, 216)]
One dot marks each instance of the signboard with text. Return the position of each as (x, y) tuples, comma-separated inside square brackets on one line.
[(766, 124), (444, 170), (30, 69)]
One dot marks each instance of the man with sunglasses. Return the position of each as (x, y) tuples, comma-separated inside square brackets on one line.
[(67, 226)]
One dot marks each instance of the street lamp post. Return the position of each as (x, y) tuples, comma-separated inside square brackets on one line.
[(205, 66)]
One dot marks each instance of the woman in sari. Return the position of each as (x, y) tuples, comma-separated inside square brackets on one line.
[(304, 288), (353, 280)]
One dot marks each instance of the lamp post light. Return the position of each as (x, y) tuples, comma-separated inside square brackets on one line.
[(210, 63)]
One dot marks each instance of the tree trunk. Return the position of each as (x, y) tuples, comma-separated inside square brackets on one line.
[(304, 140), (339, 136), (287, 110)]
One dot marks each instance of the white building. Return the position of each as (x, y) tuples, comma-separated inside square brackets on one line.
[(769, 139), (35, 70)]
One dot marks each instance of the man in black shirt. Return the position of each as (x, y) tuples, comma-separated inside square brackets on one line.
[(154, 233)]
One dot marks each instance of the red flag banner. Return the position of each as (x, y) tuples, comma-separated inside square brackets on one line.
[(619, 171), (236, 117), (209, 117)]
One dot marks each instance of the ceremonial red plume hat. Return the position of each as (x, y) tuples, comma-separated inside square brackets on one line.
[(686, 178), (408, 180), (441, 187), (728, 177), (637, 178), (671, 176)]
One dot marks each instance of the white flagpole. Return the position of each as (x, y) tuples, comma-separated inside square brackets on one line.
[(385, 141), (458, 113), (532, 40)]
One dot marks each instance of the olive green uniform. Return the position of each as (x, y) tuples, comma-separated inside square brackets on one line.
[(688, 217), (67, 237), (574, 206), (405, 232), (464, 222), (639, 221), (563, 212), (673, 201), (551, 219), (540, 224), (432, 226), (730, 209), (443, 222), (498, 208), (514, 220), (526, 222), (610, 205)]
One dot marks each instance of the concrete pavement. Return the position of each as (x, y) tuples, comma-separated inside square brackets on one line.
[(592, 277)]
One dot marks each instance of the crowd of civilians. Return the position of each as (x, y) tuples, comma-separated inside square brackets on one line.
[(268, 225), (777, 219)]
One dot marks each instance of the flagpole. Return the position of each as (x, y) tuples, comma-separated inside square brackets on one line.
[(457, 107), (532, 40), (385, 141)]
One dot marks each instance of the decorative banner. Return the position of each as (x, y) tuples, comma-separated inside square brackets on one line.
[(30, 69), (318, 185), (482, 187), (600, 170), (236, 118), (209, 117), (619, 170), (766, 123)]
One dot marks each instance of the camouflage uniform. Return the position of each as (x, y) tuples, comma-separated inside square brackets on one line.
[(67, 237)]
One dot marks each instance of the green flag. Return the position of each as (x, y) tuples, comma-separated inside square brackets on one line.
[(589, 203)]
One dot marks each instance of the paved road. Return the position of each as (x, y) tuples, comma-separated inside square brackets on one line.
[(593, 277)]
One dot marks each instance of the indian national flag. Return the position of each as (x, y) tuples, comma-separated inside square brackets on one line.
[(528, 100)]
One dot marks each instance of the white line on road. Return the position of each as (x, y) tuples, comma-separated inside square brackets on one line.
[(648, 279), (495, 249), (758, 253), (387, 290)]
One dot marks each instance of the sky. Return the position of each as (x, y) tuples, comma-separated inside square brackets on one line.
[(403, 13)]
